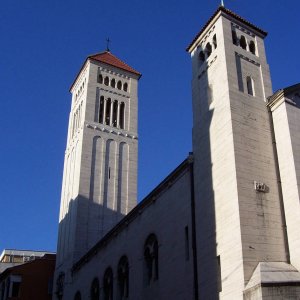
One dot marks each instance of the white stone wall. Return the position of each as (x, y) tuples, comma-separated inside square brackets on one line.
[(286, 118), (166, 214)]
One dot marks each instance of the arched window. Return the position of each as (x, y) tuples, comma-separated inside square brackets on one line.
[(60, 282), (243, 42), (113, 83), (95, 291), (106, 81), (122, 115), (100, 78), (119, 85), (252, 47), (108, 284), (234, 37), (101, 110), (215, 41), (250, 86), (115, 113), (123, 278), (208, 49), (201, 56), (151, 258), (77, 296), (107, 113), (125, 87)]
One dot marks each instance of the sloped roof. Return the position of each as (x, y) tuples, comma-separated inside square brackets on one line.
[(231, 14), (110, 59)]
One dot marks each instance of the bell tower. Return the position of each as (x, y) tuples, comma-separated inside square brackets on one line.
[(240, 218), (100, 169)]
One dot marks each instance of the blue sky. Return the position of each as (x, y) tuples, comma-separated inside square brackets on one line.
[(43, 45)]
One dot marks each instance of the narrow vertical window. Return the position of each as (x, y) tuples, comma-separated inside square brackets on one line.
[(243, 42), (123, 278), (108, 284), (115, 113), (95, 290), (252, 47), (201, 57), (125, 87), (113, 83), (215, 41), (106, 81), (187, 243), (250, 86), (234, 37), (122, 115), (119, 85), (100, 77), (208, 49), (151, 259), (107, 113), (77, 296), (101, 110)]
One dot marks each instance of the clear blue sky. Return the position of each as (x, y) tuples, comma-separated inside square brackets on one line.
[(43, 45)]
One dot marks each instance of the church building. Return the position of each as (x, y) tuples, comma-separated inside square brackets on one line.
[(225, 223)]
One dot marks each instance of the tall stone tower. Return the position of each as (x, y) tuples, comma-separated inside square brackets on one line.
[(100, 170), (241, 232)]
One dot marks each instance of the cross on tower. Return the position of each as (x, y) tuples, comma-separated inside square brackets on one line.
[(107, 44)]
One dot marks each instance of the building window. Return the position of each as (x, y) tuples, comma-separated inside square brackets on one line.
[(123, 278), (77, 296), (215, 41), (201, 56), (107, 113), (15, 289), (100, 78), (219, 278), (151, 259), (106, 81), (234, 37), (113, 83), (108, 284), (115, 113), (101, 110), (125, 87), (208, 49), (243, 42), (187, 243), (122, 115), (252, 47), (119, 85), (250, 86), (60, 285), (95, 291)]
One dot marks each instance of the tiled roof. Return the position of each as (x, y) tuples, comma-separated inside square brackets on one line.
[(108, 58), (233, 15)]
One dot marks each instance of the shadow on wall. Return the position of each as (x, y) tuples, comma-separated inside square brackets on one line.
[(209, 263)]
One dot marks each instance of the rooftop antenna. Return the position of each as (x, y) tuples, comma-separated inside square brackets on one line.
[(107, 44), (222, 3)]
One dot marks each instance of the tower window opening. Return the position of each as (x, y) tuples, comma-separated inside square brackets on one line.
[(215, 41), (151, 259), (119, 85), (122, 115), (108, 284), (201, 56), (115, 114), (234, 37), (106, 81), (108, 110), (250, 86), (219, 274), (187, 242), (125, 87), (252, 47), (123, 278), (243, 42), (208, 49), (95, 290), (100, 78), (101, 110), (77, 296), (113, 83)]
